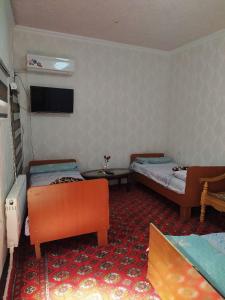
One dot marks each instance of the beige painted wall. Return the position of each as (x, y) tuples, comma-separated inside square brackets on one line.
[(197, 102), (120, 99), (6, 154), (129, 99)]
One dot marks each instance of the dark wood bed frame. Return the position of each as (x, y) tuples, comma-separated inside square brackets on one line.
[(191, 197)]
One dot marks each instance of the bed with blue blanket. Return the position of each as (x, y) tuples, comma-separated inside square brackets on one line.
[(155, 171), (207, 254), (62, 205), (181, 266)]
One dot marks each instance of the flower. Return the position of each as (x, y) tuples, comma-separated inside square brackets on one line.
[(107, 158)]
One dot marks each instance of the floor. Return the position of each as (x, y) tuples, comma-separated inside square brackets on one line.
[(76, 268)]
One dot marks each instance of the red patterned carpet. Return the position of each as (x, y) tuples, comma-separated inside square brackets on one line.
[(76, 268)]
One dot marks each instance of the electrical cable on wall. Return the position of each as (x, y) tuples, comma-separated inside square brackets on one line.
[(16, 75), (11, 251)]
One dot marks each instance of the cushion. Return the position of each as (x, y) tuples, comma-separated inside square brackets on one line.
[(220, 196), (182, 174), (69, 166), (154, 160), (179, 168), (66, 180)]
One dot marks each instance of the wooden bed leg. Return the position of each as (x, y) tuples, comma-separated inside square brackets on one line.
[(202, 215), (37, 251), (203, 196), (185, 213), (102, 237)]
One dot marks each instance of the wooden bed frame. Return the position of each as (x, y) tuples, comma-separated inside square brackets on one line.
[(69, 209), (193, 189), (172, 275)]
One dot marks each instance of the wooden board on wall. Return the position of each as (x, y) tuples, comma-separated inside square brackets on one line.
[(4, 74), (16, 131), (3, 100)]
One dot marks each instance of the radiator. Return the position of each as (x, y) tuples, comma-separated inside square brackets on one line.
[(15, 208)]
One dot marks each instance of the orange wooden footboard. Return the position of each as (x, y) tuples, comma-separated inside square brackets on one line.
[(172, 275), (68, 209)]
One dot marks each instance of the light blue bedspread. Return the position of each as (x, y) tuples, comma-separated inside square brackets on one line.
[(207, 254)]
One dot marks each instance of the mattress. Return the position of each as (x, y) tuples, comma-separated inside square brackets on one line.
[(162, 174), (48, 178)]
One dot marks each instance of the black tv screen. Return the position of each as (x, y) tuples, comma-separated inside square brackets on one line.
[(51, 100)]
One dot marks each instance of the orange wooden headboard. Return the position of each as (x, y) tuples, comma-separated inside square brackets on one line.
[(54, 161), (133, 156)]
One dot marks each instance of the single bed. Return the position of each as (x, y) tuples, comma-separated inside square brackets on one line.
[(176, 265), (186, 194), (163, 174), (58, 211)]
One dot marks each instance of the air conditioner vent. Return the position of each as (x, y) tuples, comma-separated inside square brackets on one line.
[(39, 63)]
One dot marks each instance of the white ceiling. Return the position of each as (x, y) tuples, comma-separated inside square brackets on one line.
[(160, 24)]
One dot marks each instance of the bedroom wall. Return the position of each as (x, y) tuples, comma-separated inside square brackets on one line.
[(121, 96), (120, 91), (6, 150), (197, 102)]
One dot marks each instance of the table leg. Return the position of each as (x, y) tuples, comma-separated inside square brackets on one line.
[(128, 183), (37, 251), (119, 182)]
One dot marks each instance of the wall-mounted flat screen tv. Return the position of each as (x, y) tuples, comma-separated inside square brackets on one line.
[(51, 100)]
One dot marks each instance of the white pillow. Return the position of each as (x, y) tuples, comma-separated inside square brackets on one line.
[(182, 174)]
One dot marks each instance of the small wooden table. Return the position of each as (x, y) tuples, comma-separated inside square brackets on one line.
[(110, 174)]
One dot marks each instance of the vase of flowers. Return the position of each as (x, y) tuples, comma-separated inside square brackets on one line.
[(106, 161)]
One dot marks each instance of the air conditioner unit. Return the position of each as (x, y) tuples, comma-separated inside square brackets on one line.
[(49, 64)]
